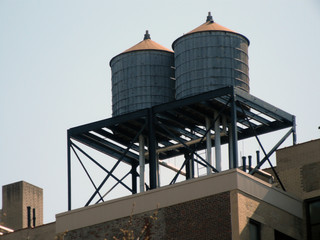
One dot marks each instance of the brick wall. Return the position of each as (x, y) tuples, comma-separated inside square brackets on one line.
[(16, 197), (271, 218), (205, 218), (298, 167)]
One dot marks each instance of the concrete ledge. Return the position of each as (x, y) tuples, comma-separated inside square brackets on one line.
[(175, 194)]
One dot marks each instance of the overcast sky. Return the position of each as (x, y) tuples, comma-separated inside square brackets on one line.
[(55, 74)]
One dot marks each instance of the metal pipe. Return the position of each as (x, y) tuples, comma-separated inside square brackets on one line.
[(169, 166), (142, 163), (217, 142), (29, 216), (258, 157), (224, 124), (34, 217), (209, 145), (180, 145), (250, 162), (191, 151), (244, 167)]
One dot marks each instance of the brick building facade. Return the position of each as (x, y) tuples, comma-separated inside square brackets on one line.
[(219, 206), (16, 198), (226, 205)]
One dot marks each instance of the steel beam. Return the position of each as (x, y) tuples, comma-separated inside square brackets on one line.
[(262, 106), (108, 122), (152, 151), (69, 169), (106, 147), (187, 147), (88, 175), (266, 157), (99, 165), (134, 175), (113, 187), (115, 166), (234, 133), (294, 130)]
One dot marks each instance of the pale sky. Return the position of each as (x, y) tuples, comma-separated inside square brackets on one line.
[(55, 74)]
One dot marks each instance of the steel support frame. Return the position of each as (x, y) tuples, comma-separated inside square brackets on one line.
[(157, 125), (98, 164), (267, 156)]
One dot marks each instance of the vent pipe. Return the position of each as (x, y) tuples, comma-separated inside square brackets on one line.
[(29, 216), (258, 157), (250, 163), (244, 164), (209, 18), (147, 35), (34, 217)]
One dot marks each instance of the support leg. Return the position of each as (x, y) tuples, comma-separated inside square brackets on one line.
[(209, 145), (142, 163), (217, 141)]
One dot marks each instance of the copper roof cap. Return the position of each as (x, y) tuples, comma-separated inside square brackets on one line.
[(210, 25), (147, 44)]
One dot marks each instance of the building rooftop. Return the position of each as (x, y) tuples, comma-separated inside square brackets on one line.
[(193, 189)]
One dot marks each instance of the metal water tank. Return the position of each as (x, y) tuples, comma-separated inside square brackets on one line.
[(210, 57), (142, 76)]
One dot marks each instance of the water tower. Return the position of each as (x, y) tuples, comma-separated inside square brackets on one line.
[(210, 57), (212, 108), (142, 76)]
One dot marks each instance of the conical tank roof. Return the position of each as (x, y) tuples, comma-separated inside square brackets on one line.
[(210, 25), (147, 44)]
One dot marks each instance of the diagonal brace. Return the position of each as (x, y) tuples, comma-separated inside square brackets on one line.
[(99, 165), (187, 147), (117, 163), (84, 168), (265, 153)]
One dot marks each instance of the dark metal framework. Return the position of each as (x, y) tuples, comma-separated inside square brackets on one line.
[(177, 129)]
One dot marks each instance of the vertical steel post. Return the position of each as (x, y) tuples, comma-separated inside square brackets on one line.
[(209, 145), (189, 166), (230, 147), (142, 163), (294, 130), (134, 175), (152, 150), (234, 130), (217, 141), (158, 169), (69, 170)]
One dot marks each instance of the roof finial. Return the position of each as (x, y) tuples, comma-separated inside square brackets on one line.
[(147, 35), (209, 18)]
